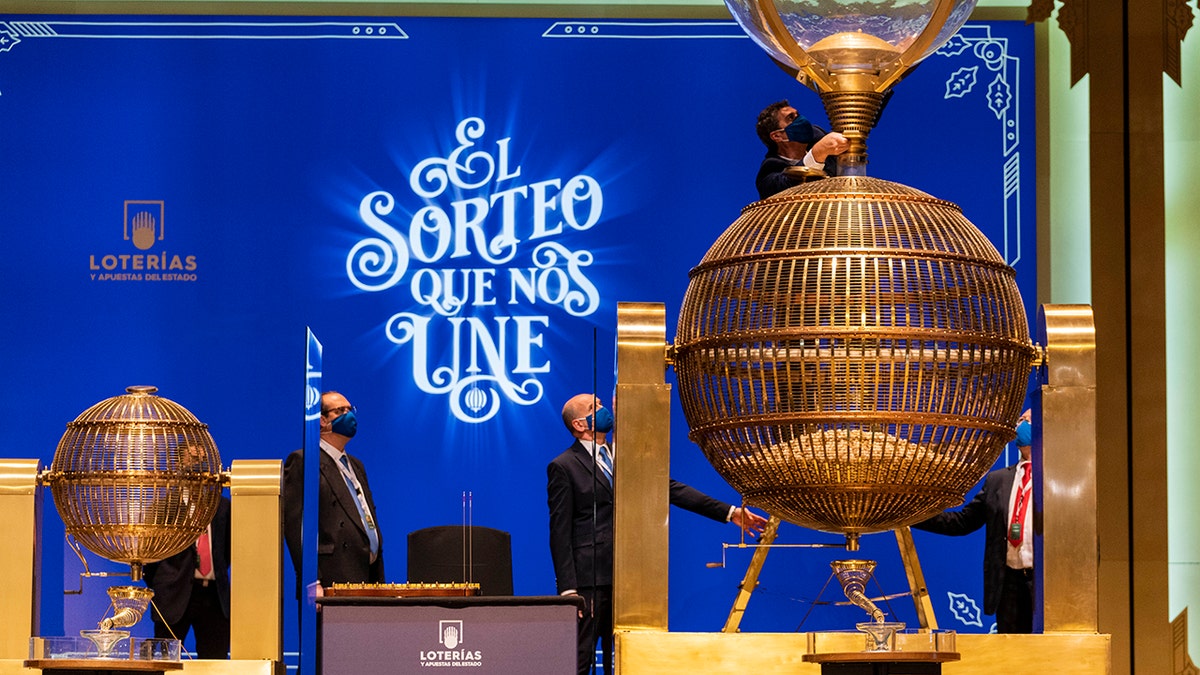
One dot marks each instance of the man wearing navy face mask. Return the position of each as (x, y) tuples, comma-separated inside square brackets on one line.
[(793, 143), (580, 497), (349, 543), (1003, 506)]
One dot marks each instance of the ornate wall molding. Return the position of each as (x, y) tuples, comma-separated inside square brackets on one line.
[(1073, 20), (1177, 19)]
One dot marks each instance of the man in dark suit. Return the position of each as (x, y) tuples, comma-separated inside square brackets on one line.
[(793, 144), (349, 543), (192, 593), (1003, 507), (580, 497)]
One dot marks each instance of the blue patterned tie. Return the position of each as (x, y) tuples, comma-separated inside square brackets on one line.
[(360, 501), (605, 461)]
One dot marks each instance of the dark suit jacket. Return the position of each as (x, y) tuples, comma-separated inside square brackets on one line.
[(989, 508), (171, 579), (343, 550), (582, 551)]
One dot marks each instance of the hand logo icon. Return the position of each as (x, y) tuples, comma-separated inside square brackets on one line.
[(143, 230), (450, 636)]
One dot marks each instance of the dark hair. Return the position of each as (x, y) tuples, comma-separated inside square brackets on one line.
[(768, 121), (324, 410)]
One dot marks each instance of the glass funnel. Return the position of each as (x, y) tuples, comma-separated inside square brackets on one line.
[(849, 36), (105, 640), (850, 52)]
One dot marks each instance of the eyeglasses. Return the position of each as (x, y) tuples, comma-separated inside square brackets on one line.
[(339, 411)]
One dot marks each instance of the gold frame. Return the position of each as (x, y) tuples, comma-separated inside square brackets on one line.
[(1069, 580), (256, 607)]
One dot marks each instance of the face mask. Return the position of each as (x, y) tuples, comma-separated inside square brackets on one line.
[(345, 424), (800, 130), (1024, 434), (603, 421)]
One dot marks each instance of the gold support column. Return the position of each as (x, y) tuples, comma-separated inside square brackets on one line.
[(19, 527), (1123, 46), (926, 619), (750, 580), (643, 443), (256, 561), (1065, 510)]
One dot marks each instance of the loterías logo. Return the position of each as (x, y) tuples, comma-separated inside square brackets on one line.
[(144, 225), (480, 260)]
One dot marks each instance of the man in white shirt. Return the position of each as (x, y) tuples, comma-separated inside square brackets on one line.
[(1004, 506)]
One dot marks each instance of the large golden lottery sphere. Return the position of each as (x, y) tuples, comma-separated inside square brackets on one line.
[(136, 478), (852, 355)]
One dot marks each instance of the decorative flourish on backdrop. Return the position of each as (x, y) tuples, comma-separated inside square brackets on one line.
[(964, 608), (1002, 72), (8, 38), (208, 30), (11, 32), (644, 29)]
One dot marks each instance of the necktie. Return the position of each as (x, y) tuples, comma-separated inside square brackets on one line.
[(1016, 527), (605, 461), (364, 512), (204, 552)]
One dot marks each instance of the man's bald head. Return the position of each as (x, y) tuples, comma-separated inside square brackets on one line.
[(578, 407)]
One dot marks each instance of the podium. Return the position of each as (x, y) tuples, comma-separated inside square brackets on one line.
[(482, 635)]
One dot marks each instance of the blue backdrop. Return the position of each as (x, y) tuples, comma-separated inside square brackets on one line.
[(454, 206)]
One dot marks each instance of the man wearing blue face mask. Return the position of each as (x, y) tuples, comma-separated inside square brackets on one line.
[(793, 143), (349, 543), (580, 497), (1004, 507)]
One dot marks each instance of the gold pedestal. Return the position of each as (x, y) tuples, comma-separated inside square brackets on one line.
[(193, 667), (664, 653), (73, 666)]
